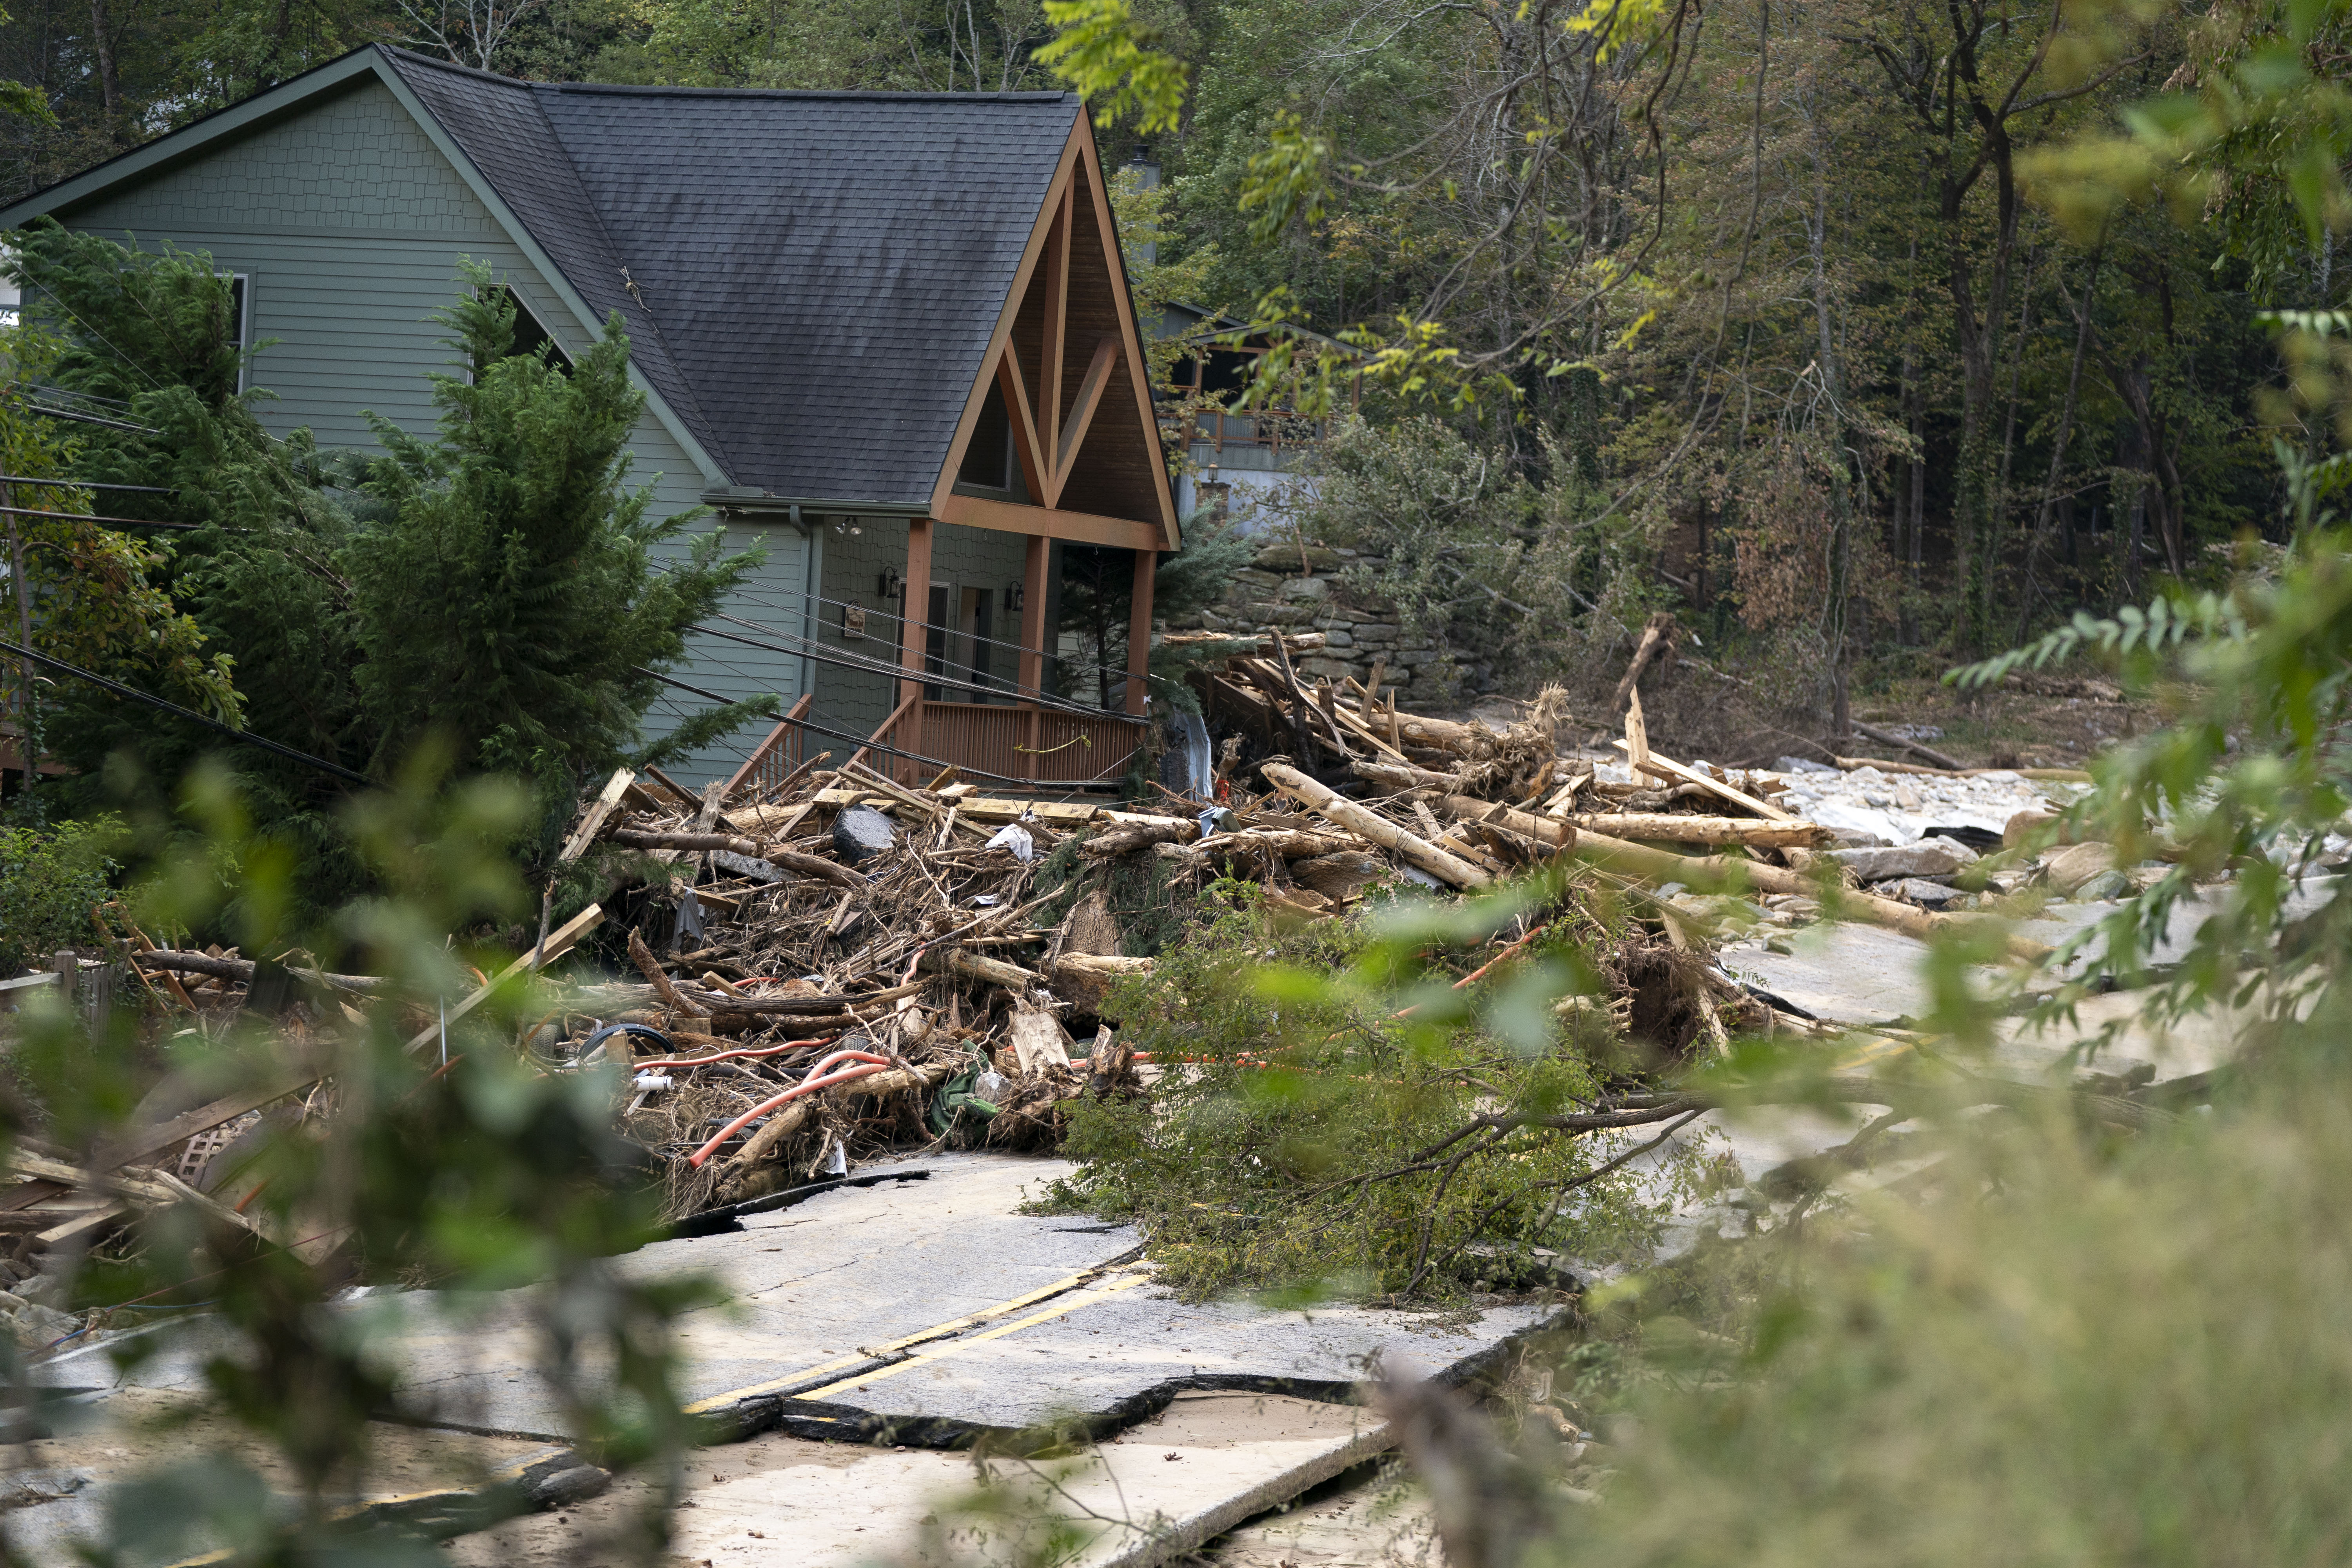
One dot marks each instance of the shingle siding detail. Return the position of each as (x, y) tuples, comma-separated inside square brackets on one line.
[(358, 162)]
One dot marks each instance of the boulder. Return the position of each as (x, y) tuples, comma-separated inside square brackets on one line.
[(1919, 891), (861, 832), (2024, 824), (2067, 869), (1929, 858)]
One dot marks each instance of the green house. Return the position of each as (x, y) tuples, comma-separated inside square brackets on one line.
[(887, 334)]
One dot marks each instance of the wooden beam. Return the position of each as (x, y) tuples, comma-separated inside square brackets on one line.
[(1051, 522), (1082, 412), (1138, 629), (1034, 472), (914, 630), (1057, 317)]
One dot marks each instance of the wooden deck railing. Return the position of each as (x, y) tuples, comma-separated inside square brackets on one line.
[(774, 759), (1044, 745)]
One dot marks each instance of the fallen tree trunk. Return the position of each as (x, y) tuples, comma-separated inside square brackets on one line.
[(1664, 828), (1327, 802), (1914, 747), (1405, 775), (843, 1003), (995, 971), (1290, 843), (1662, 865), (1128, 837)]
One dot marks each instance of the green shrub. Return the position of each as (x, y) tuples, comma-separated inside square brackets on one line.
[(1301, 1135), (48, 880)]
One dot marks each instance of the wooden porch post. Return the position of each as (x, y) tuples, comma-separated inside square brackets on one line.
[(1032, 645), (915, 639), (1138, 629)]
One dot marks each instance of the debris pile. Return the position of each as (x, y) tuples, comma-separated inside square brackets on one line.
[(840, 964)]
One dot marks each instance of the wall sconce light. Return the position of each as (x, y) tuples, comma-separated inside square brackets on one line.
[(1015, 597), (891, 584)]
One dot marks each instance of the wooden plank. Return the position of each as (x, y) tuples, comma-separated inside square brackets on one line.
[(557, 944), (1084, 527), (1666, 767), (602, 808), (73, 1229)]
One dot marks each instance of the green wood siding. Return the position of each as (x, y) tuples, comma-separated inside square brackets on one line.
[(349, 225)]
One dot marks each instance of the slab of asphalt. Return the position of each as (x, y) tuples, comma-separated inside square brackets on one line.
[(1207, 1462), (924, 1312)]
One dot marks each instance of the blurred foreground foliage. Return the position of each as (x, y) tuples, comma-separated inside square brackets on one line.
[(1307, 1139), (503, 1188)]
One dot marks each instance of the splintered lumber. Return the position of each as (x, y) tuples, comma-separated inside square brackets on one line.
[(1666, 767), (1665, 828), (1636, 743), (1327, 802), (1664, 866), (1653, 637), (614, 787)]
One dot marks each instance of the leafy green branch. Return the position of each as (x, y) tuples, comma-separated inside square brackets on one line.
[(2165, 623)]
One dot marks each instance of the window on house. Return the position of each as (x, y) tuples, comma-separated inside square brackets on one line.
[(240, 317), (988, 461), (529, 337)]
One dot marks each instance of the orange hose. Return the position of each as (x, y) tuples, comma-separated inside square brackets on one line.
[(868, 1065)]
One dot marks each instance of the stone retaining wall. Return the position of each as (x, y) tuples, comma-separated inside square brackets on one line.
[(1290, 590)]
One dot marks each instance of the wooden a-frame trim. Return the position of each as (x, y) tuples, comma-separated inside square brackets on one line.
[(1082, 414), (1035, 427)]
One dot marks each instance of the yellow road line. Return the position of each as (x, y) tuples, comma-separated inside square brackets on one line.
[(1044, 1292), (946, 1351)]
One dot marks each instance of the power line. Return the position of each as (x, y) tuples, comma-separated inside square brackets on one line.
[(85, 485), (190, 714)]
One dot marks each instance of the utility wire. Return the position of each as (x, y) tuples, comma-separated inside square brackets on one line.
[(188, 713)]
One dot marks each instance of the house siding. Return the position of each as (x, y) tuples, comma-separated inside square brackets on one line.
[(855, 702), (349, 225)]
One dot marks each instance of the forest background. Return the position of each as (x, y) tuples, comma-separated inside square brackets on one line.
[(1863, 334)]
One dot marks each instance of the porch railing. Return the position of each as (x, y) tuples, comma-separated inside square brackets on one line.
[(1002, 744), (772, 762)]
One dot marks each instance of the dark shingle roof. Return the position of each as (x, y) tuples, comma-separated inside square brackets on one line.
[(818, 273)]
